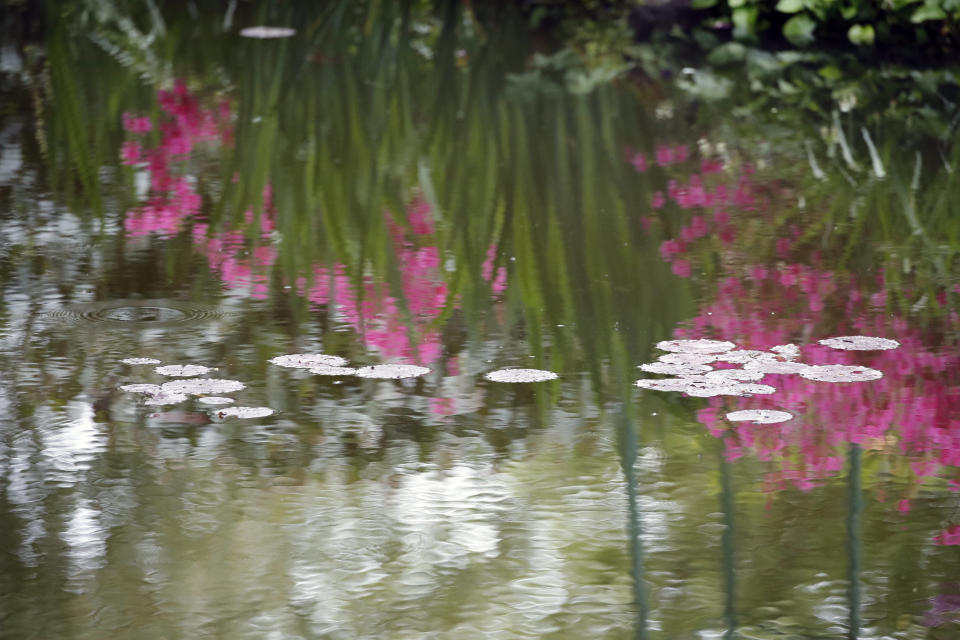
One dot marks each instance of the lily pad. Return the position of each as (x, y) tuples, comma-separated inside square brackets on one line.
[(245, 412), (182, 370), (701, 345), (150, 389), (202, 386), (308, 360), (776, 366), (676, 369), (840, 373), (520, 375), (266, 33), (787, 351), (687, 358), (743, 356), (140, 361), (215, 400), (860, 343), (326, 370), (740, 375), (759, 416), (392, 371), (164, 398)]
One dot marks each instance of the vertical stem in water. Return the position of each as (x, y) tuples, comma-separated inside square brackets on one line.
[(854, 509), (628, 458), (729, 552)]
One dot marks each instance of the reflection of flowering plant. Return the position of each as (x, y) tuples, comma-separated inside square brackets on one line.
[(914, 410)]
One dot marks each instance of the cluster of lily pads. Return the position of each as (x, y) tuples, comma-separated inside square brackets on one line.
[(690, 363), (209, 390)]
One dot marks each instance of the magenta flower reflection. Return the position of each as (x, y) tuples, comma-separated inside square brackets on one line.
[(912, 413)]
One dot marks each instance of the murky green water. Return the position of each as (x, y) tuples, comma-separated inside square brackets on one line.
[(424, 189)]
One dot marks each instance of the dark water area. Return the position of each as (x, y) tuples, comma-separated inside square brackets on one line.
[(389, 184)]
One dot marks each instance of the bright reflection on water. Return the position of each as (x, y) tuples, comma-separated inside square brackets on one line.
[(233, 222)]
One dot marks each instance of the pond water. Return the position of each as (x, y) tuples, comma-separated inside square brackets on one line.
[(410, 205)]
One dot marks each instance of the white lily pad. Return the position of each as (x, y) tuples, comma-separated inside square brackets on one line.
[(759, 416), (787, 351), (202, 386), (326, 370), (392, 371), (743, 356), (740, 375), (676, 369), (520, 375), (663, 384), (860, 343), (701, 345), (308, 360), (703, 387), (245, 412), (164, 398), (182, 370), (150, 389), (840, 373), (776, 366), (215, 400), (265, 33), (140, 361), (687, 358)]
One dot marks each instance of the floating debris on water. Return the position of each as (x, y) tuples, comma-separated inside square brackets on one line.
[(840, 373), (787, 351), (202, 386), (182, 370), (859, 343), (265, 33), (245, 412), (687, 358), (327, 370), (520, 375), (759, 416), (776, 366), (140, 361), (215, 400), (151, 389), (392, 371), (700, 345), (308, 360), (675, 369), (165, 397)]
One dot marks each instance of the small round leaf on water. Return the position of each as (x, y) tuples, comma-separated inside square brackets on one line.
[(701, 345), (840, 373), (740, 375), (265, 33), (675, 369), (150, 389), (140, 361), (742, 356), (787, 351), (182, 370), (202, 386), (164, 398), (860, 343), (759, 416), (327, 370), (520, 375), (392, 371), (776, 366), (215, 400), (687, 358), (308, 360), (245, 412)]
